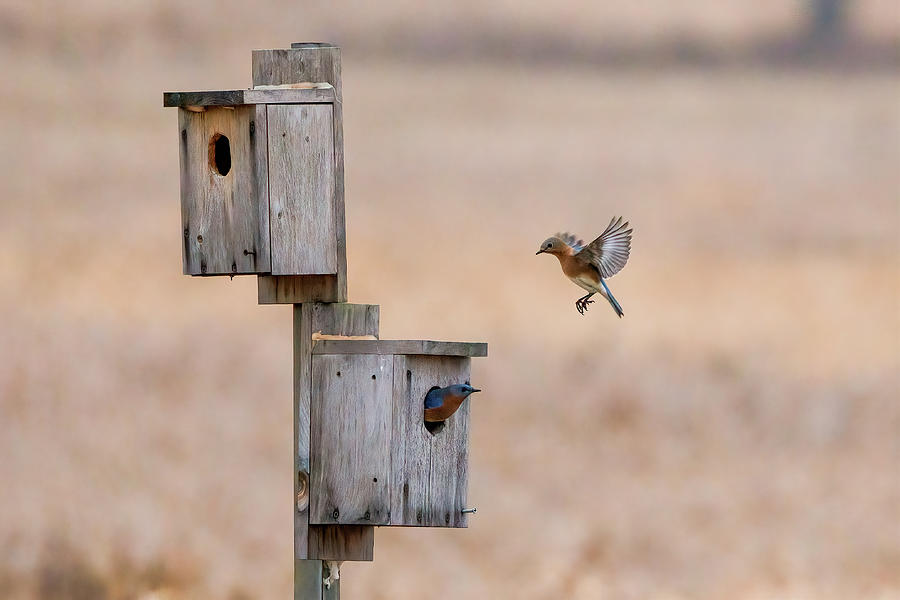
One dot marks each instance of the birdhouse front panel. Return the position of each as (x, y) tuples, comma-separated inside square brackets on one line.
[(429, 469), (224, 190), (350, 433)]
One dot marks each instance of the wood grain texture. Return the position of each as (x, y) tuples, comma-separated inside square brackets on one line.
[(409, 347), (314, 62), (225, 227), (429, 473), (342, 542), (297, 289), (294, 65), (350, 416), (243, 97), (335, 319), (301, 189)]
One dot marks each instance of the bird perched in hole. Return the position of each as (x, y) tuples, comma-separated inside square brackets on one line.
[(588, 265), (441, 403)]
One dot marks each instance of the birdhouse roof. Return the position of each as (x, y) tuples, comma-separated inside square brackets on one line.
[(315, 93), (409, 347)]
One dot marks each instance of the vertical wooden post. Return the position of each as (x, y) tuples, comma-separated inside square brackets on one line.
[(309, 584), (327, 541), (315, 62)]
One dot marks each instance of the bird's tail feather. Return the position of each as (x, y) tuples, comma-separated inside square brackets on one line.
[(612, 300)]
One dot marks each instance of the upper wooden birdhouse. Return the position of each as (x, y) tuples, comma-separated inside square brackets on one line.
[(262, 187)]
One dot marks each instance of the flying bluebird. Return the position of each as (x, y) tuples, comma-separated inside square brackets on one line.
[(441, 403), (588, 265)]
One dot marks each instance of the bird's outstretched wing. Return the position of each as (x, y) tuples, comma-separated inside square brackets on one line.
[(610, 251)]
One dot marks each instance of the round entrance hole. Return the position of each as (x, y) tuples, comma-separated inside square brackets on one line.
[(220, 154)]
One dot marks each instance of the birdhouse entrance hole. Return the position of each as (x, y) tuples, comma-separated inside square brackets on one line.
[(433, 428), (220, 154)]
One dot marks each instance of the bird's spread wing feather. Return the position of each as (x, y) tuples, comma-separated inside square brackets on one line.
[(571, 240), (610, 251)]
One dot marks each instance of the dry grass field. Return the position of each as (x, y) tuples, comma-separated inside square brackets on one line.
[(736, 435)]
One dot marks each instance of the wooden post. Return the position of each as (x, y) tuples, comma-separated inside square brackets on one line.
[(336, 542), (318, 63), (309, 585), (315, 63)]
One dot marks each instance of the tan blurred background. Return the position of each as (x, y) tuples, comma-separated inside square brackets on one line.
[(736, 435)]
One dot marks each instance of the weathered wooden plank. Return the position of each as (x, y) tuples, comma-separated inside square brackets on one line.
[(314, 62), (342, 542), (429, 472), (259, 174), (212, 98), (224, 191), (316, 95), (410, 347), (297, 289), (411, 455), (350, 415), (449, 477), (335, 319), (305, 62), (301, 189)]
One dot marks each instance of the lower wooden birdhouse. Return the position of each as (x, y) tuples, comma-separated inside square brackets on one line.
[(372, 459)]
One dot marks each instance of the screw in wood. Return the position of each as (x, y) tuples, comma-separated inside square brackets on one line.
[(469, 511)]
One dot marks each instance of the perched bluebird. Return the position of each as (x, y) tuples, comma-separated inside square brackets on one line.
[(441, 403), (588, 265)]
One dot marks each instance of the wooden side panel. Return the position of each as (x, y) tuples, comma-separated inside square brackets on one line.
[(301, 189), (429, 472), (225, 223), (336, 319), (296, 289), (350, 439)]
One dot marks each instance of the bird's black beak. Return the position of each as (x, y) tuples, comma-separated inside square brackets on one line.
[(541, 251), (474, 390)]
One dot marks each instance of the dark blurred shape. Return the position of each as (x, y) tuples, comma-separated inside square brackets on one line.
[(828, 21)]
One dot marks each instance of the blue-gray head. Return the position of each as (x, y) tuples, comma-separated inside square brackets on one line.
[(462, 389), (455, 394)]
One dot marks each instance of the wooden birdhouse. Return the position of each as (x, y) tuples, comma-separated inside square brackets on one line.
[(372, 458), (262, 189)]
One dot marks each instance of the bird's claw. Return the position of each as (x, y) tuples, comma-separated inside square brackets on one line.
[(582, 305)]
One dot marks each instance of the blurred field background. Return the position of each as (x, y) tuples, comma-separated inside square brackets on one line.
[(736, 435)]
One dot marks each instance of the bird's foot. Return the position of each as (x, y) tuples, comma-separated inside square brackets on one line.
[(582, 305)]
